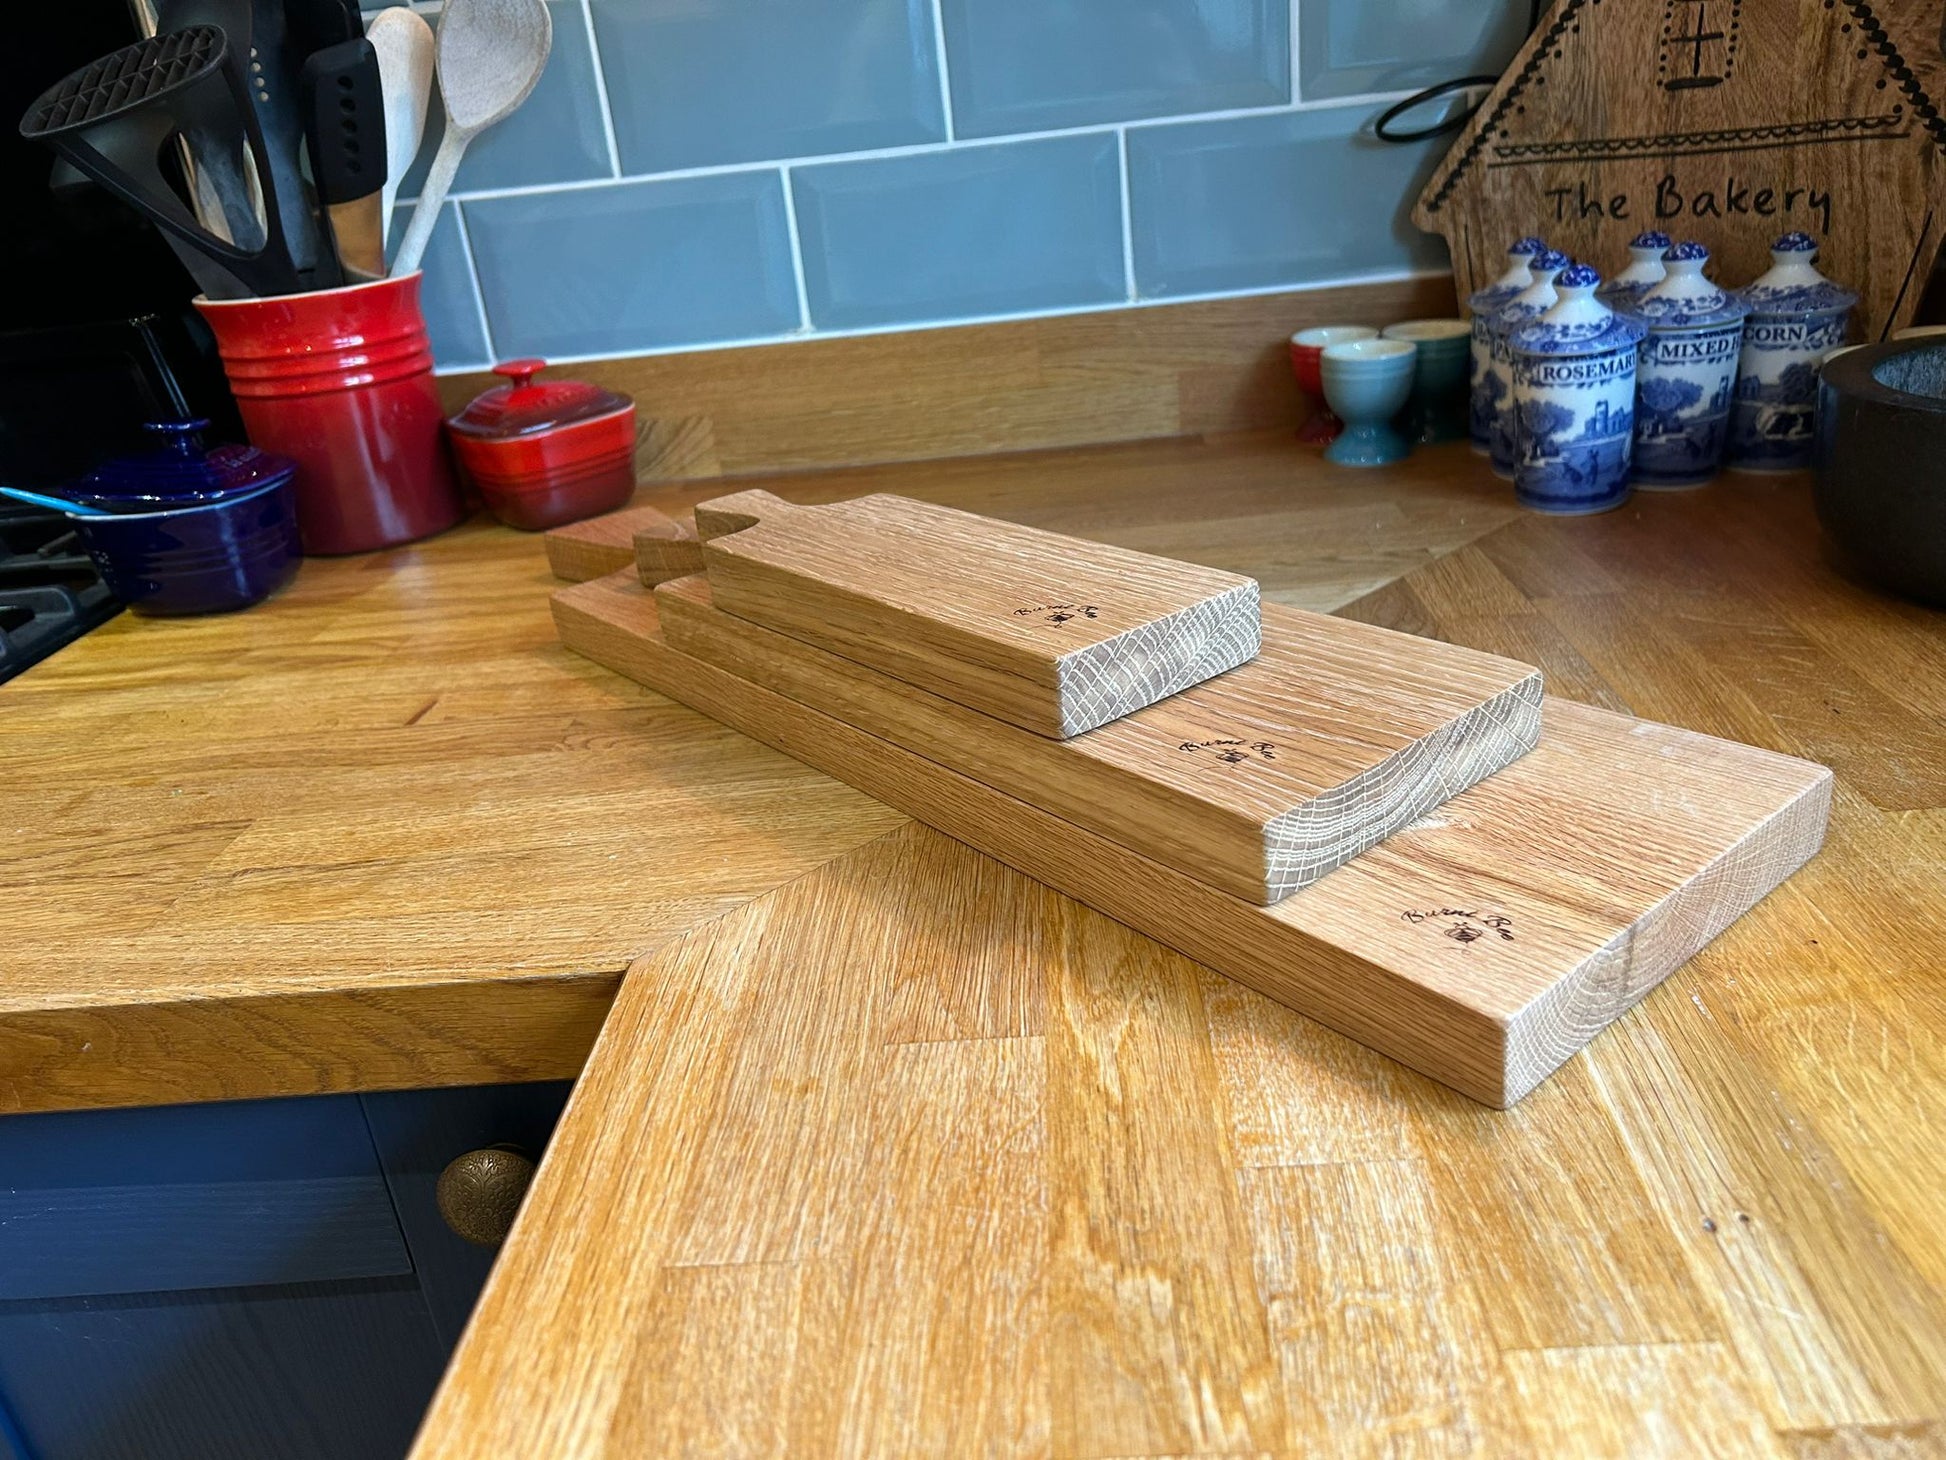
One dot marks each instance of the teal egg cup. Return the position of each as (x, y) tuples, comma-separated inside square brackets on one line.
[(1437, 408), (1366, 382)]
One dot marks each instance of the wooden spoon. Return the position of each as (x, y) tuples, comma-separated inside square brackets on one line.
[(491, 52), (404, 44)]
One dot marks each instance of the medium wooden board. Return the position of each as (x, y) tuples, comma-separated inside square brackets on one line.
[(1051, 633), (1259, 781), (1482, 947)]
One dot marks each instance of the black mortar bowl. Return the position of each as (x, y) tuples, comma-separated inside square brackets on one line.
[(1881, 464)]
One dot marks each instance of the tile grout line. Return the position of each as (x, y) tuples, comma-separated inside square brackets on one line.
[(939, 51), (797, 250), (601, 90), (1255, 291), (1296, 50), (922, 149), (1128, 208), (473, 275)]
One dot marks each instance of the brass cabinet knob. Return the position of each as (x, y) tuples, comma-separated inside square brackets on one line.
[(480, 1192)]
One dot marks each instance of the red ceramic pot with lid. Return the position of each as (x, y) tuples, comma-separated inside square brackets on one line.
[(547, 452)]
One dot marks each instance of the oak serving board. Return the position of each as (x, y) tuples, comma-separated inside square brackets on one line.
[(1051, 633), (1482, 946), (1258, 782)]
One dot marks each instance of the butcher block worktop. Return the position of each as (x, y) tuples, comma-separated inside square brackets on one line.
[(885, 1149)]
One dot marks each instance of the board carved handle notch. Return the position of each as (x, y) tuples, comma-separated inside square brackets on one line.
[(722, 516)]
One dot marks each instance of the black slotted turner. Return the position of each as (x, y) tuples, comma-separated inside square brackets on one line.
[(113, 117)]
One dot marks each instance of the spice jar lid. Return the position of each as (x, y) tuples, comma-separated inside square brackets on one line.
[(527, 406), (179, 469)]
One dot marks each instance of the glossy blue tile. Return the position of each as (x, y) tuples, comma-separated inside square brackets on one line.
[(1350, 46), (1258, 202), (705, 82), (943, 235), (556, 136), (1025, 65), (636, 265), (446, 292)]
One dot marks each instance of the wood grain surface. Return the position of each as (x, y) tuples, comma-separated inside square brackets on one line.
[(368, 835), (1482, 946), (1081, 1197), (1257, 782), (1219, 365), (1051, 633)]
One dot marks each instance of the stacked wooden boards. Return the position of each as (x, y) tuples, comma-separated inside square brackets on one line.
[(1482, 945), (1258, 781)]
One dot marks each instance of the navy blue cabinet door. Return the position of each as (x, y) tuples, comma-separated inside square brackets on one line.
[(264, 1280)]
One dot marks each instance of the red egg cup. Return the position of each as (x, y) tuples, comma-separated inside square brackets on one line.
[(1323, 427)]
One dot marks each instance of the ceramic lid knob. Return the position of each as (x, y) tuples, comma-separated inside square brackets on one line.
[(1793, 286), (1648, 247)]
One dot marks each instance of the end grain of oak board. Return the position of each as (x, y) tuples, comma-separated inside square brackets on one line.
[(1258, 781), (1050, 633), (1482, 947)]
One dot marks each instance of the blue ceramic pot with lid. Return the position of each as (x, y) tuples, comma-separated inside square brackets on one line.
[(1483, 405), (180, 470), (1529, 304), (1797, 317), (1574, 400), (1686, 373), (188, 531), (1645, 270)]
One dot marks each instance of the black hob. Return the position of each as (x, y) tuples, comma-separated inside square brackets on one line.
[(50, 593)]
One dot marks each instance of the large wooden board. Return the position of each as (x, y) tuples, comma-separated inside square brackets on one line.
[(1258, 782), (1052, 633), (1482, 947), (1715, 120)]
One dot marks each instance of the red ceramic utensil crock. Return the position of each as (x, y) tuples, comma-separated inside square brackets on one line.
[(548, 452), (340, 381)]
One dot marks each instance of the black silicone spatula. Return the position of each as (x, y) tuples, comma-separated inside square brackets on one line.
[(113, 117), (344, 126)]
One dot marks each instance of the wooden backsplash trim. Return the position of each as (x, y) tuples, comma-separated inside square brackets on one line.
[(1085, 379)]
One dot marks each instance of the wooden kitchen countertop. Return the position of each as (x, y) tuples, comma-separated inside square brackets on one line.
[(914, 1156), (886, 1149)]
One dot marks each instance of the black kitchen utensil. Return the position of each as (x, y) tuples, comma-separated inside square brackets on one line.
[(112, 118), (344, 122), (315, 25)]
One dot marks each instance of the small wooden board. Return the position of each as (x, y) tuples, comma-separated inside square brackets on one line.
[(597, 546), (1482, 947), (1259, 781), (1047, 632)]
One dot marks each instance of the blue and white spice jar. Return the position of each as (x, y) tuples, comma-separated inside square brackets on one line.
[(1644, 271), (1797, 317), (1529, 304), (1686, 371), (1482, 403), (1574, 401)]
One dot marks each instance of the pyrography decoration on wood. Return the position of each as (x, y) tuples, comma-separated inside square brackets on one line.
[(1725, 121)]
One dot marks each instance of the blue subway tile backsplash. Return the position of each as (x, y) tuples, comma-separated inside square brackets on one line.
[(970, 232), (1346, 47), (701, 172), (1025, 65), (1286, 198), (446, 291), (642, 266), (696, 83)]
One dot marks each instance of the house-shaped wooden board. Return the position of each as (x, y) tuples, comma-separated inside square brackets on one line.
[(1726, 121)]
